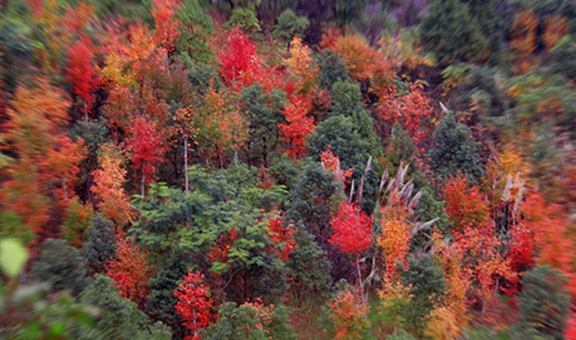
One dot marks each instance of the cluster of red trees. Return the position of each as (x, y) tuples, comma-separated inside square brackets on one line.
[(162, 110)]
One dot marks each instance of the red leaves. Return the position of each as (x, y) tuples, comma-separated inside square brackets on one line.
[(299, 126), (522, 250), (406, 109), (352, 229), (549, 225), (475, 238), (570, 333), (221, 248), (331, 163), (147, 146), (241, 65), (109, 180), (166, 24), (466, 206), (35, 130), (130, 271), (194, 303), (81, 70), (281, 237)]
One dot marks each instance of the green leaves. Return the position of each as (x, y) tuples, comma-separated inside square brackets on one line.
[(290, 25), (452, 34), (455, 150), (13, 256)]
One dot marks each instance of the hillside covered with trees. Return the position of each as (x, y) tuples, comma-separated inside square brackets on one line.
[(273, 169)]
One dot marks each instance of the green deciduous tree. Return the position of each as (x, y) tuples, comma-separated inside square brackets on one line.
[(289, 26), (244, 19)]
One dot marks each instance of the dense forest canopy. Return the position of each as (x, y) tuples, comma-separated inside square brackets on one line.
[(272, 169)]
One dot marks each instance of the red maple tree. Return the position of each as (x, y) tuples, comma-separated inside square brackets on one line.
[(281, 237), (82, 71), (147, 145), (194, 303), (352, 229), (166, 24), (465, 205), (521, 247), (241, 66), (409, 110), (299, 125), (352, 235)]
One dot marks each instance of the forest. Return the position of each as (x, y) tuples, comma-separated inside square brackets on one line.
[(275, 169)]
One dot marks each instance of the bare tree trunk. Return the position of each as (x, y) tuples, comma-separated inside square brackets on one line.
[(219, 157), (85, 111), (362, 180), (195, 328), (143, 180), (186, 188), (360, 282), (65, 188)]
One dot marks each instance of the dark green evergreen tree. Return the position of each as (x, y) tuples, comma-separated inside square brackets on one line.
[(454, 151), (161, 301), (332, 69), (120, 318), (309, 270), (264, 111), (100, 246), (60, 265), (243, 323), (314, 195), (347, 11), (427, 288), (544, 302), (451, 33)]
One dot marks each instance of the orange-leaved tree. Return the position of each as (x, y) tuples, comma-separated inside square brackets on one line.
[(109, 182), (349, 316), (476, 241), (44, 158), (523, 44), (301, 68), (130, 270)]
